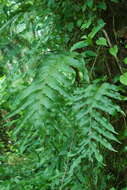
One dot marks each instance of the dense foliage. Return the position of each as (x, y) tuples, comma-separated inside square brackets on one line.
[(63, 95)]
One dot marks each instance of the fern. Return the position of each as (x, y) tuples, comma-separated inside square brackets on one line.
[(44, 106), (38, 104), (92, 105)]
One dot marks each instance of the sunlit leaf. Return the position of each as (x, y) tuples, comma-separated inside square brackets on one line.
[(101, 41), (114, 50)]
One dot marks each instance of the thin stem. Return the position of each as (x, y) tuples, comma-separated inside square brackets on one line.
[(110, 45), (95, 60)]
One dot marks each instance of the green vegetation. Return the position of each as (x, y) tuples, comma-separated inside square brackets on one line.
[(63, 93)]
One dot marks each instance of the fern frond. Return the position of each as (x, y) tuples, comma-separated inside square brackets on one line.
[(92, 105), (48, 91)]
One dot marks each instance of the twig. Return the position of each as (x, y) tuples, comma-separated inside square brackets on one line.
[(107, 37)]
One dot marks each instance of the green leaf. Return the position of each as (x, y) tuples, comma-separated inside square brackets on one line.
[(89, 53), (70, 26), (90, 102), (114, 50), (89, 3), (123, 78), (102, 5), (86, 24), (125, 60), (124, 188), (79, 22), (79, 45), (101, 42), (98, 156), (97, 28)]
